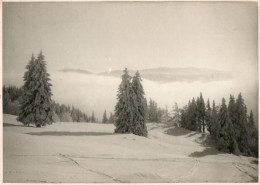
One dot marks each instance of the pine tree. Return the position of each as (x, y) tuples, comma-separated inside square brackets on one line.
[(153, 111), (139, 103), (124, 109), (253, 135), (232, 109), (224, 138), (192, 116), (37, 104), (201, 112), (241, 134), (6, 100), (208, 116), (176, 112), (104, 120), (214, 126)]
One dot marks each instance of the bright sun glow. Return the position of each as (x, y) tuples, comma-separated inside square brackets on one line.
[(109, 70)]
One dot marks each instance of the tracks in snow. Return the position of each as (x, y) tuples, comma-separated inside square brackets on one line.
[(189, 173), (93, 171), (240, 168)]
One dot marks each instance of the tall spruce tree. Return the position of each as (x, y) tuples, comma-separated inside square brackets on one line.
[(124, 109), (241, 134), (139, 102), (37, 103)]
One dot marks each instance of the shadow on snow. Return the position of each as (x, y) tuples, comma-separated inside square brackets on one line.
[(12, 125), (208, 142), (177, 131), (64, 133)]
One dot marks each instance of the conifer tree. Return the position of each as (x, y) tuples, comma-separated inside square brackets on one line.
[(241, 134), (232, 109), (104, 120), (201, 112), (139, 103), (192, 115), (124, 109), (214, 125), (208, 116), (253, 135), (37, 104), (224, 138), (176, 115)]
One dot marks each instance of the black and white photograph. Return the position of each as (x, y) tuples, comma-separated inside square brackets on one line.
[(130, 92)]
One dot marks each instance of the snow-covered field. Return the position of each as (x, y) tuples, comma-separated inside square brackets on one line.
[(88, 152)]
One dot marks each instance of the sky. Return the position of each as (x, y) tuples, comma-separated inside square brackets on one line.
[(99, 36), (113, 35)]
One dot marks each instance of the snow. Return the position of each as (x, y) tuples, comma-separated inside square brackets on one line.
[(89, 152)]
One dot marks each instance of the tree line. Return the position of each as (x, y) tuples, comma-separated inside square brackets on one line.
[(106, 119), (12, 100), (232, 128)]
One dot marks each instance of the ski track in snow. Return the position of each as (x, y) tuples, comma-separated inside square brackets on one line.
[(99, 173)]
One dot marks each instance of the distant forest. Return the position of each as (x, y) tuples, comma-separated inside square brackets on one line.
[(12, 100)]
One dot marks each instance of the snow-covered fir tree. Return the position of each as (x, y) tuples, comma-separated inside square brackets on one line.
[(139, 102), (224, 138), (124, 108), (36, 106)]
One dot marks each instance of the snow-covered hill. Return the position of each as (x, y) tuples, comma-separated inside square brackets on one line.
[(88, 152)]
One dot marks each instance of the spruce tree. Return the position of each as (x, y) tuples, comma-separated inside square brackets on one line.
[(214, 124), (139, 103), (253, 135), (224, 138), (104, 120), (208, 116), (192, 115), (241, 134), (201, 112), (123, 108), (176, 115), (37, 104), (232, 109)]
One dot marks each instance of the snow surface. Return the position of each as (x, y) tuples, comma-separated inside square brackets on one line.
[(89, 152)]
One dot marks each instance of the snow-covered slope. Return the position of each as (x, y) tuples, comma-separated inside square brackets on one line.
[(88, 152)]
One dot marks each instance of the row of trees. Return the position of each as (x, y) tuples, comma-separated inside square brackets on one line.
[(12, 98), (111, 118), (231, 127), (131, 108), (65, 113)]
